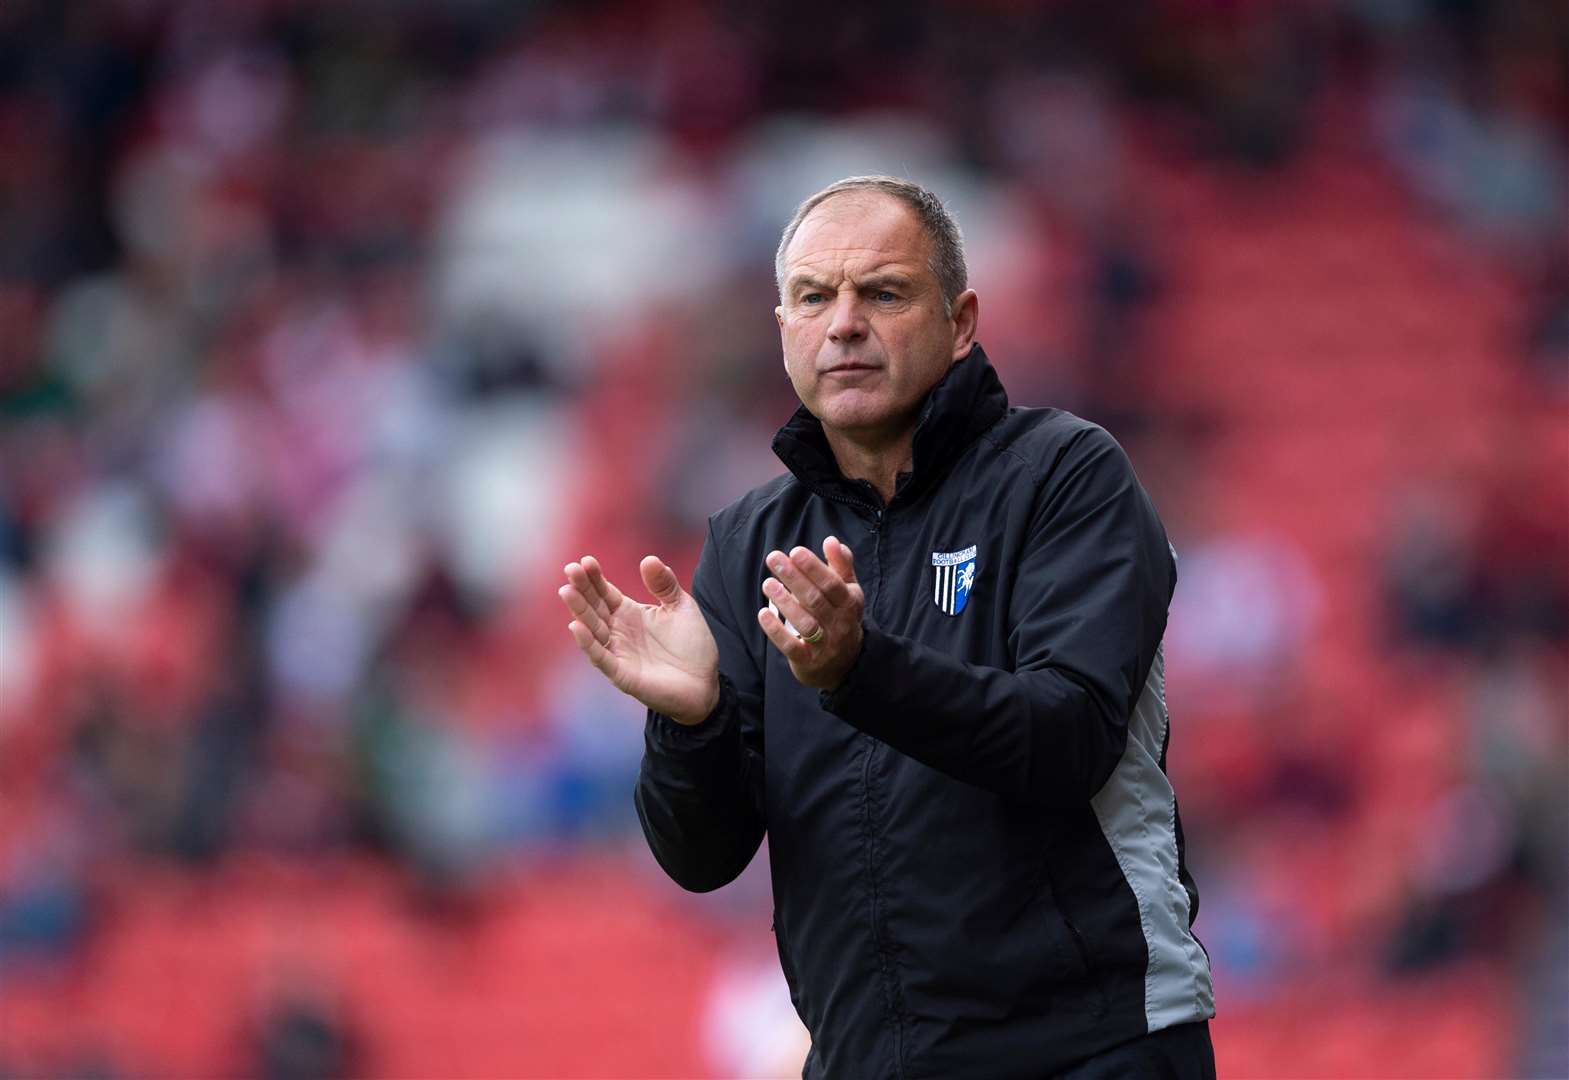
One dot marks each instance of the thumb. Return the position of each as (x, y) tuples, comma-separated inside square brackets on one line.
[(840, 558), (660, 579)]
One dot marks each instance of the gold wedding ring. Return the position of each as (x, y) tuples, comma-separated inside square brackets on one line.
[(814, 637)]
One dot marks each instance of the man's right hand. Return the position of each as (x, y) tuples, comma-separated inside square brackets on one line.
[(661, 654)]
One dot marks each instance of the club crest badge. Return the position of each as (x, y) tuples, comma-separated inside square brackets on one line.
[(954, 572)]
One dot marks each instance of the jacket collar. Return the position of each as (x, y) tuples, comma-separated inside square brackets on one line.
[(967, 401)]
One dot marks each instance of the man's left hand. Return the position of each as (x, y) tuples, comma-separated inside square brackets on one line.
[(824, 603)]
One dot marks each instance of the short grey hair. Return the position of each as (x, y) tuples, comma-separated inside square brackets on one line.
[(947, 243)]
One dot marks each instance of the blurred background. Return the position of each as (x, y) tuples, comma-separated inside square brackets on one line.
[(329, 331)]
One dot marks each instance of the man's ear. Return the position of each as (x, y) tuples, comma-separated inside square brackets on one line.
[(966, 320), (784, 357)]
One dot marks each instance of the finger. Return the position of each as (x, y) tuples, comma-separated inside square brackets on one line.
[(791, 610), (793, 578), (827, 580), (613, 595), (597, 654), (584, 612), (794, 648), (661, 580), (840, 558), (578, 577)]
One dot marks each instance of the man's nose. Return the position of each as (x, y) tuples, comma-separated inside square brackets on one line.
[(849, 321)]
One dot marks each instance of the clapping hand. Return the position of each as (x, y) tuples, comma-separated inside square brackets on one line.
[(824, 603), (662, 654)]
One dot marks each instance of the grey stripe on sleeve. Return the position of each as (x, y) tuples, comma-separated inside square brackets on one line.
[(1137, 810)]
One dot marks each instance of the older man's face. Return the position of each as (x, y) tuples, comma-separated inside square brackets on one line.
[(861, 319)]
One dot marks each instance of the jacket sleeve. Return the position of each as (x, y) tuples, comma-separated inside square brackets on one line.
[(1087, 614), (699, 790)]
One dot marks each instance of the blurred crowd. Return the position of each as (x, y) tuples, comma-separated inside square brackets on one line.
[(328, 332)]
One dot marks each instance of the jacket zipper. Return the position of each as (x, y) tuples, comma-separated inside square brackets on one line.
[(879, 934), (879, 937), (884, 962)]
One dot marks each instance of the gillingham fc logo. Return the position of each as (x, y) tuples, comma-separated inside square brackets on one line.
[(954, 574)]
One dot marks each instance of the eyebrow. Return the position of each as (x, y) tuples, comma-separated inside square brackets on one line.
[(872, 281), (804, 281)]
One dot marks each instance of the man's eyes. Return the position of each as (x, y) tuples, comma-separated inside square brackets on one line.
[(882, 296)]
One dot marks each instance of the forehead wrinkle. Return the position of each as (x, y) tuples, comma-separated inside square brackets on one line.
[(889, 273), (816, 254), (816, 267)]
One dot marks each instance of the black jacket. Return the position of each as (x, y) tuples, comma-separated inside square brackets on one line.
[(976, 859)]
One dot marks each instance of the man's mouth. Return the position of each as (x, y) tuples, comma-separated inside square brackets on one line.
[(851, 368)]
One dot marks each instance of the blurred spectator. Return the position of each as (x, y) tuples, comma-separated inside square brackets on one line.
[(1244, 610), (750, 1026), (300, 1032), (1466, 573)]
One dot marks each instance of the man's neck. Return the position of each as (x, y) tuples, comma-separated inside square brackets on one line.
[(878, 462)]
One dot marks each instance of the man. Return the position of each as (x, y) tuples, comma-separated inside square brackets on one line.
[(952, 724)]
